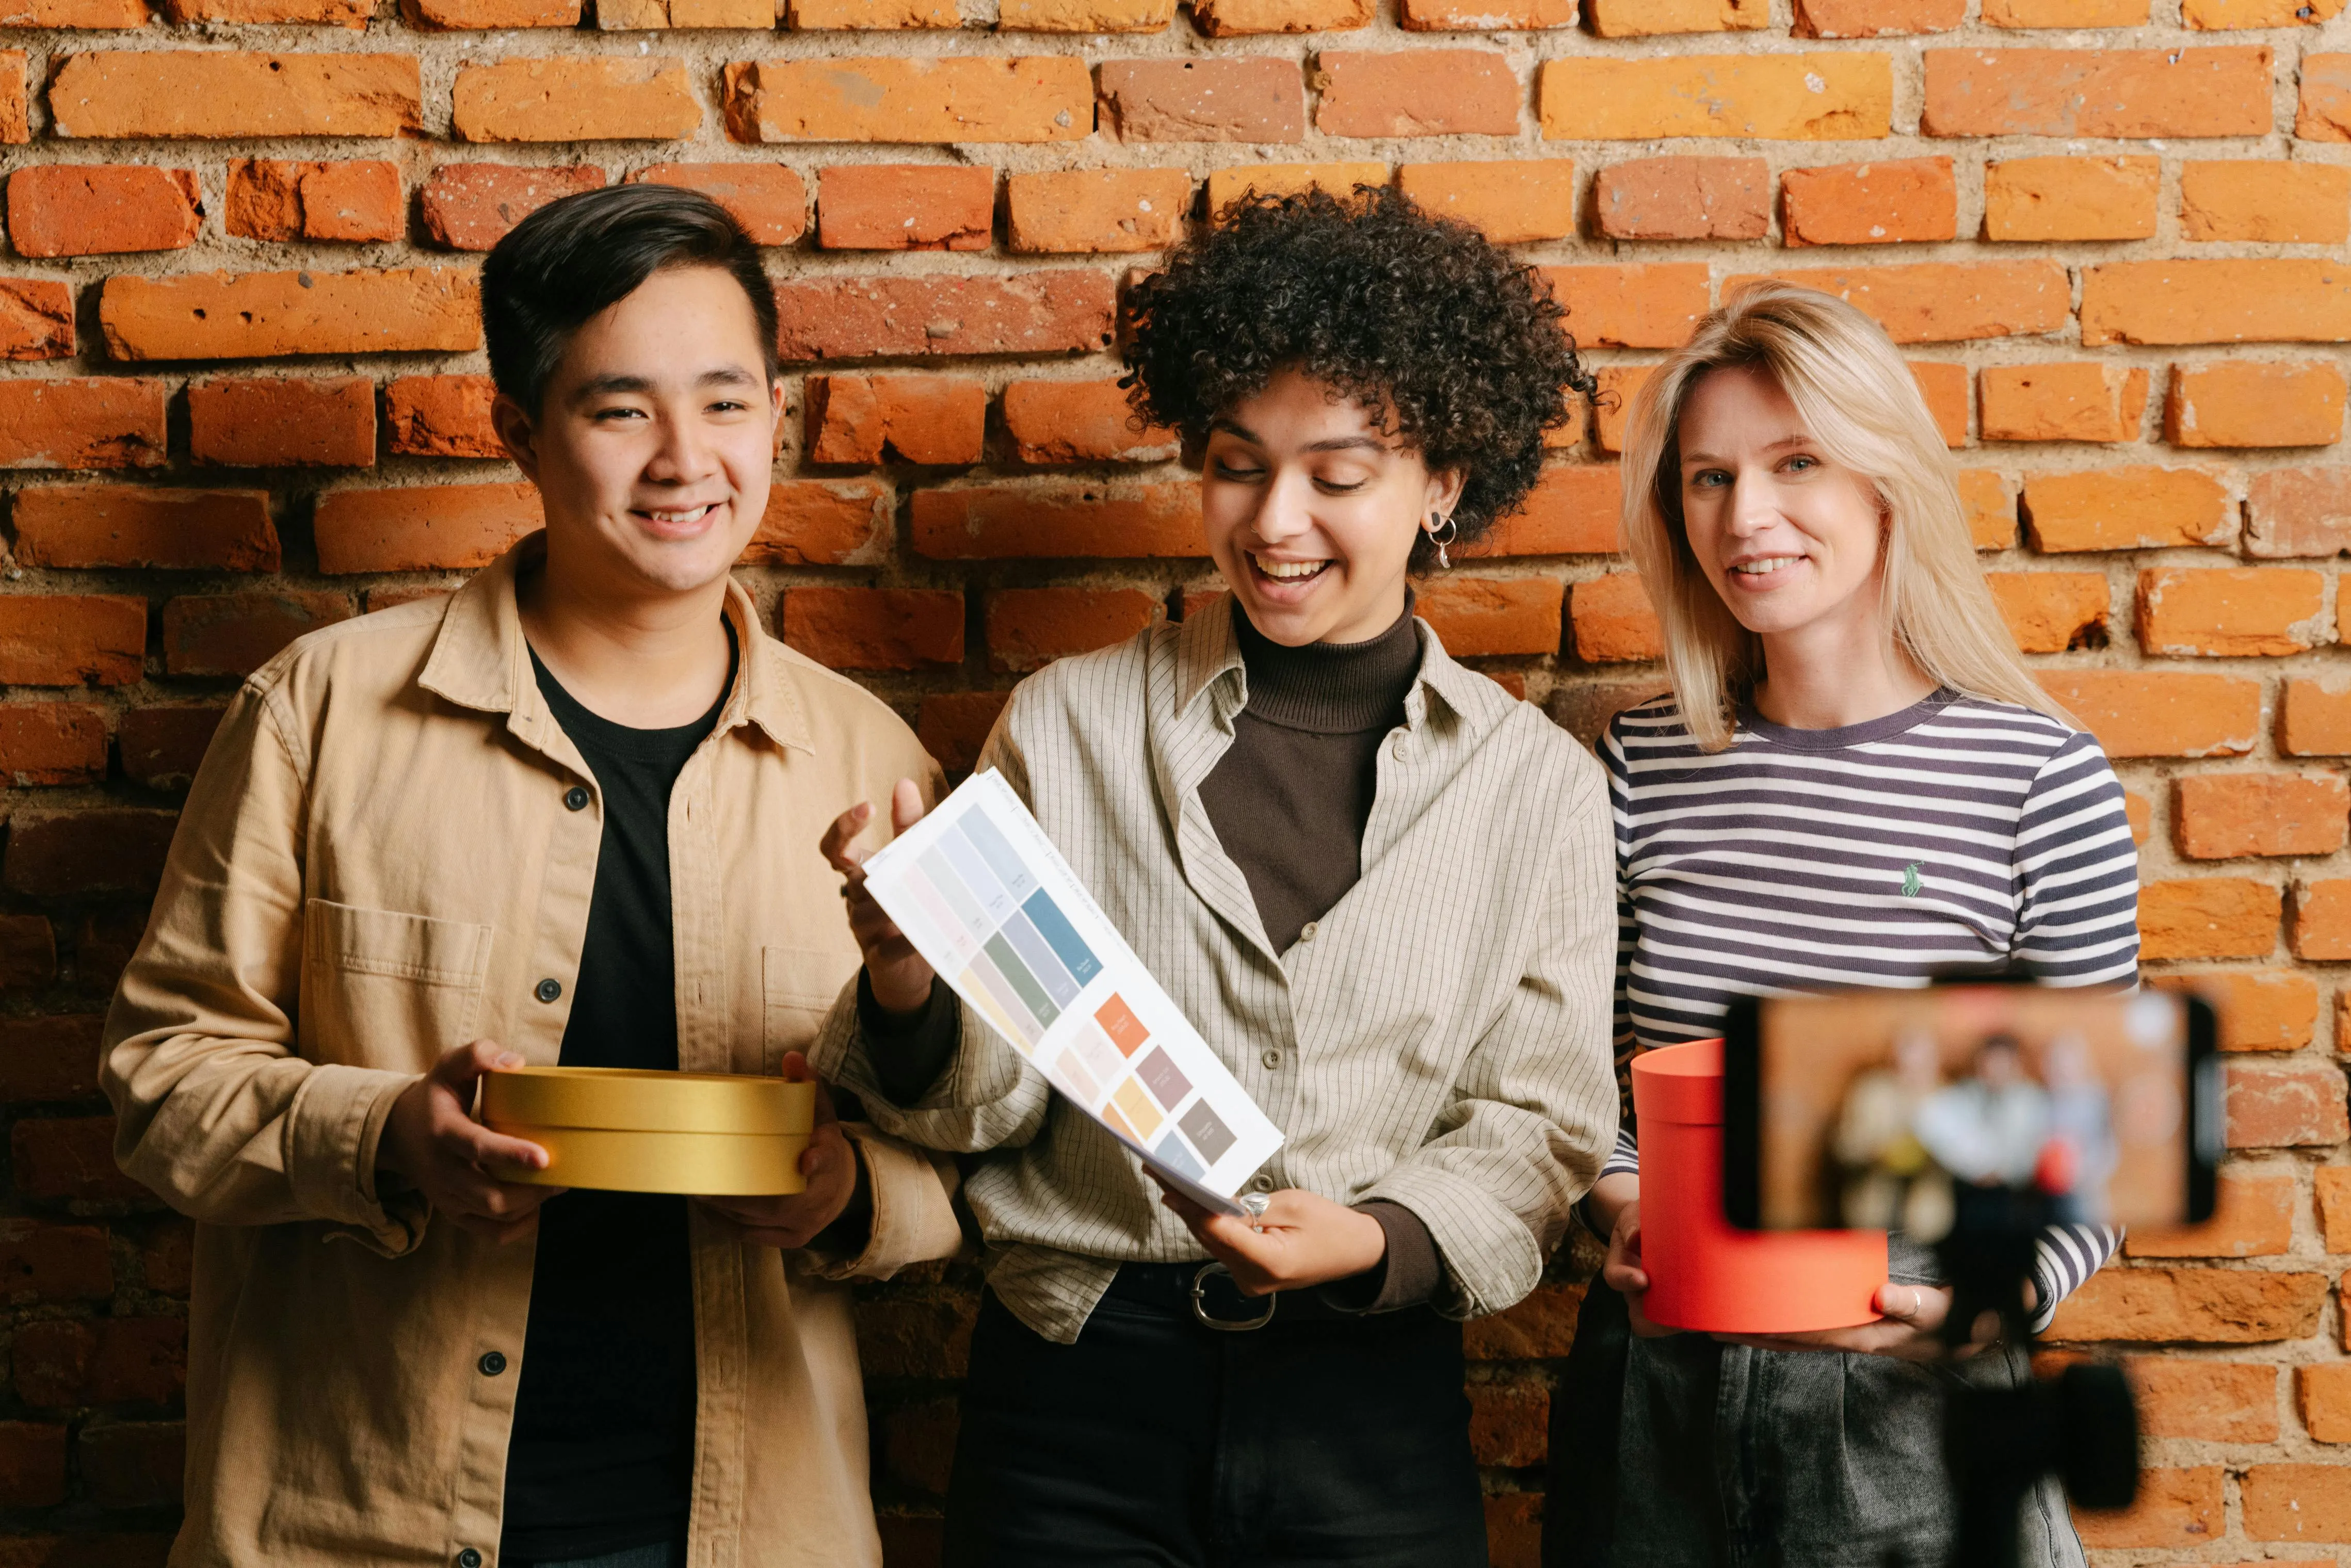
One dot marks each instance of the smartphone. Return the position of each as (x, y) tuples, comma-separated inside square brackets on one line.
[(1926, 1111)]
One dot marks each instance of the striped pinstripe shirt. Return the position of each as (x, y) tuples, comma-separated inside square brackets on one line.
[(1956, 836), (1439, 1039)]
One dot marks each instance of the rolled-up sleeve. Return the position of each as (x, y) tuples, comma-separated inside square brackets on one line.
[(1533, 1112), (216, 1111)]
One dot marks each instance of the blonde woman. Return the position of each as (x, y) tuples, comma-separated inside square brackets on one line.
[(1854, 781)]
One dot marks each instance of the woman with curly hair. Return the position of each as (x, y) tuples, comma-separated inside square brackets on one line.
[(1380, 888)]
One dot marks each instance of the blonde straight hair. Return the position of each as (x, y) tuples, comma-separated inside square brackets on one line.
[(1861, 404)]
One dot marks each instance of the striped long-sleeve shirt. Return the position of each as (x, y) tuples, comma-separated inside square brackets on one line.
[(1956, 836)]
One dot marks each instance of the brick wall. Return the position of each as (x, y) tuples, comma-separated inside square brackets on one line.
[(246, 399)]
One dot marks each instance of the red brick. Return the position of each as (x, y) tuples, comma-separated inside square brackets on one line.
[(2261, 1010), (1652, 306), (1417, 93), (2175, 1508), (69, 1157), (1509, 200), (2322, 112), (2275, 1105), (49, 1263), (1945, 387), (2038, 200), (266, 314), (14, 126), (98, 422), (1514, 1529), (2251, 1217), (1540, 1328), (2050, 612), (917, 1444), (50, 1362), (1039, 312), (768, 200), (71, 639), (1871, 204), (2207, 917), (98, 209), (1122, 520), (2256, 299), (1241, 180), (31, 1464), (139, 1360), (1507, 1423), (2221, 815), (275, 422), (875, 628), (35, 319), (2314, 719), (1875, 18), (2150, 712), (132, 1464), (2322, 919), (574, 98), (2074, 402), (1684, 197), (1614, 621), (236, 633), (821, 522), (881, 98), (52, 743), (2230, 611), (2221, 16), (453, 15), (1231, 18), (2298, 511), (1573, 511), (2323, 1399), (1477, 617), (132, 93), (57, 855), (952, 726), (2213, 1306), (2140, 506), (442, 417), (102, 947), (140, 525), (2097, 92), (1079, 421), (1106, 210), (273, 200), (2066, 12), (1259, 99), (916, 419), (91, 13), (2296, 1502), (624, 15), (423, 528), (1028, 628), (1815, 97), (167, 1259), (906, 206), (2213, 1401), (162, 746), (2248, 403), (1485, 16), (2140, 811), (1941, 301), (1652, 19), (351, 13), (471, 206), (2267, 204)]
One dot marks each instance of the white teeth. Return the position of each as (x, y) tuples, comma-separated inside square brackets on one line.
[(1766, 568), (1288, 570), (685, 517)]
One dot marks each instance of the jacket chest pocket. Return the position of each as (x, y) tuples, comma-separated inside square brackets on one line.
[(799, 986), (386, 989)]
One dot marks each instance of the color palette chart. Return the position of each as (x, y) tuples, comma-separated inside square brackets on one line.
[(987, 900)]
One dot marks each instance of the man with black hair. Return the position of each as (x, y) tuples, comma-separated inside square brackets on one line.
[(566, 814)]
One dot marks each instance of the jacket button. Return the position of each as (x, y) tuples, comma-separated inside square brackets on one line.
[(547, 990), (1261, 1182), (469, 1558), (576, 797), (492, 1362), (1306, 932)]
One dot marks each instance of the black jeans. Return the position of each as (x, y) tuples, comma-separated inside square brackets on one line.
[(1156, 1441)]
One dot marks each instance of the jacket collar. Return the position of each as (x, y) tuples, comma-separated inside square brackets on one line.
[(1209, 654), (480, 659)]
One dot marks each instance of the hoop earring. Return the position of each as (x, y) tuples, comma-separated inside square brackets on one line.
[(1451, 532)]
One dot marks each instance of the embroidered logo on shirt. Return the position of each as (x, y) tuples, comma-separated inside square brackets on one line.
[(1910, 883)]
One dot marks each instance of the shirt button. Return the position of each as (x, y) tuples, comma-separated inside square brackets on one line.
[(576, 797), (547, 990), (492, 1364), (1261, 1183), (1306, 932), (469, 1558), (1271, 1057)]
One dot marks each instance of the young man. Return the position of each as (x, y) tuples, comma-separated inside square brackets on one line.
[(567, 814)]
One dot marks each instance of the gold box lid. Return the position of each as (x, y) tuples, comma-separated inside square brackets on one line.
[(630, 1099)]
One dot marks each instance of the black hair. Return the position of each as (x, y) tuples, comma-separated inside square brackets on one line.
[(571, 259), (1444, 338)]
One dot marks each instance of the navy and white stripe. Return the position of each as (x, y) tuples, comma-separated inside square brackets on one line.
[(1959, 836)]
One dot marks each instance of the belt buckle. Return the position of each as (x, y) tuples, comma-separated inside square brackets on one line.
[(1226, 1325)]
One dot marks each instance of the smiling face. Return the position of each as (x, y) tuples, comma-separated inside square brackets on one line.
[(654, 439), (1312, 512), (1790, 539)]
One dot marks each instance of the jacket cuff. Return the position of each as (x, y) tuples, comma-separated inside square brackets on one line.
[(333, 1130), (1490, 1258), (913, 1217)]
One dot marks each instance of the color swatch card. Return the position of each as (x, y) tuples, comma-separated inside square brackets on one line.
[(990, 903)]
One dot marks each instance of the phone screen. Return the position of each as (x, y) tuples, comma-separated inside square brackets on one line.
[(1913, 1110)]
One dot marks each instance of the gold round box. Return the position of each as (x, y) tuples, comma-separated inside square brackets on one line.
[(625, 1129)]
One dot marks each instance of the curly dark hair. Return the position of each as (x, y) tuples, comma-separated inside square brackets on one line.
[(1447, 342)]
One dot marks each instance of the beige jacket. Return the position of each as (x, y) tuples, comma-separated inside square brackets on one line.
[(376, 863)]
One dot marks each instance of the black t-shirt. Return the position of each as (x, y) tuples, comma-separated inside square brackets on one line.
[(602, 1459)]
